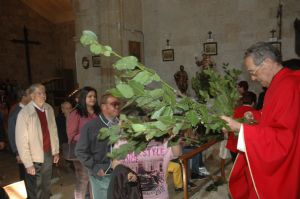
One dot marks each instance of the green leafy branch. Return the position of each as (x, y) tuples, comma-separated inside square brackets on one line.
[(166, 117)]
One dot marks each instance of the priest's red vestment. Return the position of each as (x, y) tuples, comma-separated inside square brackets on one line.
[(270, 167), (239, 113)]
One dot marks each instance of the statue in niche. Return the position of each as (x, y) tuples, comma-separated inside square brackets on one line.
[(181, 79)]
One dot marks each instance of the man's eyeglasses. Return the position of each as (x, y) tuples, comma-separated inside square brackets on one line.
[(115, 104), (253, 72)]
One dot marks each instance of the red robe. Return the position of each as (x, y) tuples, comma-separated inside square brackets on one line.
[(239, 113), (270, 167)]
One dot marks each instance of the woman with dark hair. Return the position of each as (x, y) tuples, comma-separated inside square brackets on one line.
[(86, 110)]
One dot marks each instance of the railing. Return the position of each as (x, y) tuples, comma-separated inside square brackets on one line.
[(184, 162)]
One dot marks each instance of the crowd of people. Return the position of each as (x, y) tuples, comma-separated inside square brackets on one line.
[(264, 148)]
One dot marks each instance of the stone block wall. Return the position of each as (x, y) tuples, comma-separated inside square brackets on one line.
[(235, 25), (55, 52)]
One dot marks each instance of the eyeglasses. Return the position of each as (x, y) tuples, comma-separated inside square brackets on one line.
[(253, 72), (115, 104)]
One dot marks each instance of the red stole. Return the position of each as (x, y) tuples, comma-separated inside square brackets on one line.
[(270, 167)]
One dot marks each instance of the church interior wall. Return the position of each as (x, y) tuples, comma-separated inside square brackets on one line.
[(55, 52), (115, 22), (235, 25)]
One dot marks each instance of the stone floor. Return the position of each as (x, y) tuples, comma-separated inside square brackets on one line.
[(63, 178)]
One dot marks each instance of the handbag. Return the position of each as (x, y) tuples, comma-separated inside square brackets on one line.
[(68, 150)]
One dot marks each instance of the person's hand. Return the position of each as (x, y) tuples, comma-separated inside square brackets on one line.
[(131, 177), (19, 161), (2, 145), (56, 158), (233, 124), (224, 130), (31, 170), (100, 173), (249, 117), (115, 163)]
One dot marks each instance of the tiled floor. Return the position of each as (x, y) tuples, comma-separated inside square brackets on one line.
[(64, 179)]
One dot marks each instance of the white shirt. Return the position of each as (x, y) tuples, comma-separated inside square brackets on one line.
[(36, 106), (241, 140)]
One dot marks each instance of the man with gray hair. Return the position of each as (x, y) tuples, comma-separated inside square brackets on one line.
[(268, 164), (37, 143), (24, 99)]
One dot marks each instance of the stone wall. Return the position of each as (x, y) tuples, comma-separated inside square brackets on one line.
[(55, 52), (235, 24), (115, 22)]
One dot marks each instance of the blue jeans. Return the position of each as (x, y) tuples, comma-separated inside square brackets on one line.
[(99, 186), (195, 162)]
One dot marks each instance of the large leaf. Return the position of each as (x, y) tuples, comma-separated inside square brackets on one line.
[(115, 92), (107, 51), (96, 49), (157, 113), (192, 117), (88, 37), (169, 95), (138, 88), (125, 90), (126, 63), (143, 77), (142, 101), (139, 127), (156, 93)]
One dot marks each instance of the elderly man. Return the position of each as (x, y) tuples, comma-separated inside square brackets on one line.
[(37, 142), (268, 165), (24, 99)]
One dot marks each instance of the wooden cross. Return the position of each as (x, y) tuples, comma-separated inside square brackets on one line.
[(273, 33), (26, 42)]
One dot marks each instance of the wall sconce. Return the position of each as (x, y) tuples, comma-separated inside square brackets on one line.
[(210, 39), (168, 44), (168, 52), (273, 38)]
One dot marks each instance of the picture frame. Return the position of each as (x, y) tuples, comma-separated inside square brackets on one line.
[(210, 48), (168, 55), (277, 45), (96, 61)]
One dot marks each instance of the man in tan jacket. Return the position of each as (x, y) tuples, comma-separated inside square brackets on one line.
[(37, 143)]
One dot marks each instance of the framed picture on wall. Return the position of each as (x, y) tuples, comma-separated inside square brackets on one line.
[(96, 61), (277, 45), (168, 55), (210, 48)]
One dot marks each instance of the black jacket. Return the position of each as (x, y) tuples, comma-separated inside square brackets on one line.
[(119, 186), (11, 130), (90, 151)]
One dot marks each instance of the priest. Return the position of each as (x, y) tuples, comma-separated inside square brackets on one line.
[(268, 164)]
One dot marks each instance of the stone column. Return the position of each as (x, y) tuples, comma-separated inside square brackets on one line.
[(103, 18), (106, 18)]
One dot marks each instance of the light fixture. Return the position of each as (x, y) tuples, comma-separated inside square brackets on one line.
[(273, 38), (210, 39), (168, 44)]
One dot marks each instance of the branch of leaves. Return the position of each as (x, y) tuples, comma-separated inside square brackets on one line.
[(160, 103), (138, 132)]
